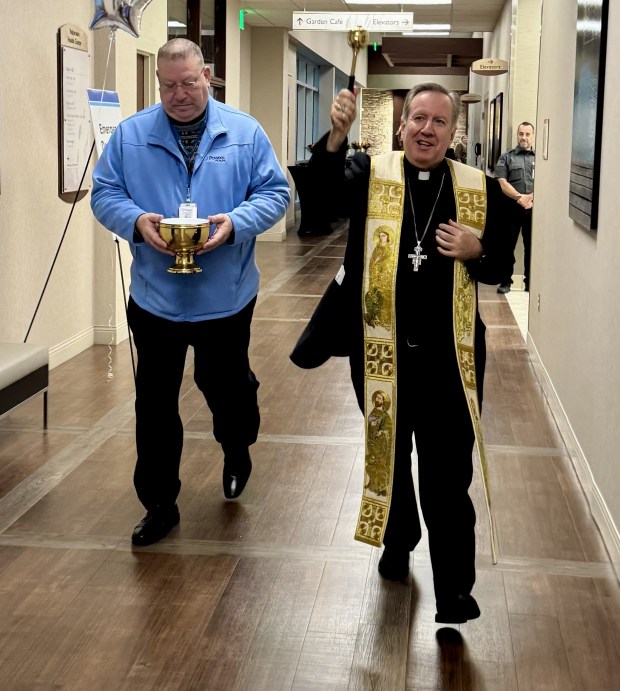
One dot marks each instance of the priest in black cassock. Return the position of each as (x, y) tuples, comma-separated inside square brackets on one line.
[(403, 307)]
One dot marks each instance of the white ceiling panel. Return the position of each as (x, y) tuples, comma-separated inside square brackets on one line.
[(462, 15)]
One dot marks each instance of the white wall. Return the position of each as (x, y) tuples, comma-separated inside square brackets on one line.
[(576, 331)]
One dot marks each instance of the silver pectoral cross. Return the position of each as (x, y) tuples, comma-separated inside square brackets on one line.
[(417, 257)]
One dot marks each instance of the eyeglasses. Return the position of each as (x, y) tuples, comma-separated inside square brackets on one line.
[(171, 87)]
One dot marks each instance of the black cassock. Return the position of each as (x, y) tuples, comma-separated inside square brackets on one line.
[(431, 403)]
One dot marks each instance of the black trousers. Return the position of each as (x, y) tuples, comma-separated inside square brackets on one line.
[(432, 406), (521, 223), (221, 371)]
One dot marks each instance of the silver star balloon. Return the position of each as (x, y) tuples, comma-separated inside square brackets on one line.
[(119, 14)]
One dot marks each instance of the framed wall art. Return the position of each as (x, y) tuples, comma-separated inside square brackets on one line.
[(490, 125), (497, 128), (494, 131), (589, 86)]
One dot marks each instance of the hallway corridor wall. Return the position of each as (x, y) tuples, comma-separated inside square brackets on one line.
[(574, 315)]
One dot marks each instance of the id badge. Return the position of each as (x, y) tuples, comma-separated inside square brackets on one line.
[(188, 210)]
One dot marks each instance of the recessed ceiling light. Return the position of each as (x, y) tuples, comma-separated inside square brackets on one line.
[(430, 27), (426, 33), (396, 2), (173, 24)]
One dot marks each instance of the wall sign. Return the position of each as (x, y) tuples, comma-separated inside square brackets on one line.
[(490, 66), (347, 21), (105, 110), (74, 138)]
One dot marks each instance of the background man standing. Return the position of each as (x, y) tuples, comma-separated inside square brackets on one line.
[(460, 150), (515, 172)]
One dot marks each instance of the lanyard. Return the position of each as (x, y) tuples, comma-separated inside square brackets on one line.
[(190, 163), (189, 157)]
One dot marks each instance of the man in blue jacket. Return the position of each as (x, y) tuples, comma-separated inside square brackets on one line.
[(190, 150)]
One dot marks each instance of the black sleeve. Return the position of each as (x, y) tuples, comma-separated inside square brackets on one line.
[(497, 259), (343, 183), (333, 328)]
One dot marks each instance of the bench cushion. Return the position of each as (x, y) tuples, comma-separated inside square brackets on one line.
[(17, 360)]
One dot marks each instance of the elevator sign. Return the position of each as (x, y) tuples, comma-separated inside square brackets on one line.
[(348, 21)]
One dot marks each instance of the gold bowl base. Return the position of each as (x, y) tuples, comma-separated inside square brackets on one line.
[(184, 264)]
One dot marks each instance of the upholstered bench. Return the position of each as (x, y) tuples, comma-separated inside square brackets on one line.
[(24, 370)]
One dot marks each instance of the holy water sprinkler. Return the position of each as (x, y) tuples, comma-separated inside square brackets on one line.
[(357, 38)]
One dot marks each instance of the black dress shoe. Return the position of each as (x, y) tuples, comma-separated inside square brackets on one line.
[(457, 610), (504, 288), (237, 471), (155, 526), (394, 564)]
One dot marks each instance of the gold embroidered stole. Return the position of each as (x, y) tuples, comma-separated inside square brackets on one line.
[(470, 195), (386, 194)]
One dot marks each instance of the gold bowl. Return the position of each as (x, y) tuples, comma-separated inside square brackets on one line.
[(184, 237)]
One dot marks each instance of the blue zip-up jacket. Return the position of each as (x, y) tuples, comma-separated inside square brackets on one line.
[(236, 172)]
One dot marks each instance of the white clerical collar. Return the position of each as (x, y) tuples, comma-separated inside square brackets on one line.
[(424, 175)]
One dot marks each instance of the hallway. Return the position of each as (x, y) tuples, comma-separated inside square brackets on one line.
[(271, 592)]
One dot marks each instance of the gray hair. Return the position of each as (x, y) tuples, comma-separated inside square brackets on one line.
[(180, 49), (432, 86)]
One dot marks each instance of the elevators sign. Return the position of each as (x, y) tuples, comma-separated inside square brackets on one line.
[(490, 66), (348, 21), (74, 128)]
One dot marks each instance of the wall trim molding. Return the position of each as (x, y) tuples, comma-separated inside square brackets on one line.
[(61, 352), (111, 335), (596, 501), (96, 335)]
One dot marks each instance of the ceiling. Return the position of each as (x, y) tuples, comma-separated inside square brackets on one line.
[(410, 55), (464, 16), (398, 54), (395, 53)]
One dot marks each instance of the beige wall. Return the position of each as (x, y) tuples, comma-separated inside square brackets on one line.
[(269, 98), (576, 330), (33, 217), (245, 66), (82, 292), (233, 53), (524, 66)]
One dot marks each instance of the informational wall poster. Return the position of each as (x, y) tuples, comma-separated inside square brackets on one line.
[(75, 140), (105, 111)]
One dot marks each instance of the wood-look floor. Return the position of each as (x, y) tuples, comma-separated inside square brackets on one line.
[(271, 592)]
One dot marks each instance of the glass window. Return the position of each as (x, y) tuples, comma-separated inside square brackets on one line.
[(307, 106)]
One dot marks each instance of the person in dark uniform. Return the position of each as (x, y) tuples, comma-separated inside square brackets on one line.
[(431, 403), (515, 172)]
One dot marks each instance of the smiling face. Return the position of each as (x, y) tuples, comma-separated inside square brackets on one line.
[(428, 130)]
